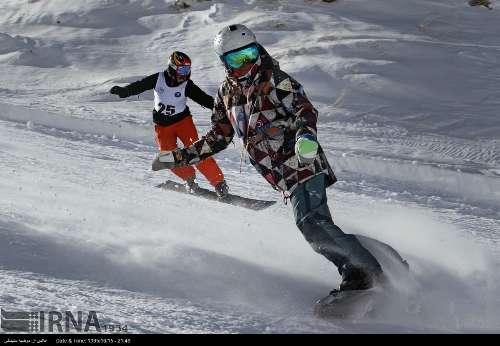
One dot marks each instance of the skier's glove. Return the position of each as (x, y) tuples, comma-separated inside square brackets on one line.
[(169, 159), (306, 148), (117, 90)]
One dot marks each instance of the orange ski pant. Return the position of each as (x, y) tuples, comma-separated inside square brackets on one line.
[(166, 137)]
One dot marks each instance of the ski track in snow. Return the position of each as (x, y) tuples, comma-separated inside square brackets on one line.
[(110, 253), (408, 116)]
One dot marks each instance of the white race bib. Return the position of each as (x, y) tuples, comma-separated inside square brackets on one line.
[(169, 101)]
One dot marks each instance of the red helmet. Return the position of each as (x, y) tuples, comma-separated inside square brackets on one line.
[(179, 66)]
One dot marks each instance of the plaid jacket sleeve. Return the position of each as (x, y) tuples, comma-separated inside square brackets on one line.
[(305, 113), (292, 96), (217, 139)]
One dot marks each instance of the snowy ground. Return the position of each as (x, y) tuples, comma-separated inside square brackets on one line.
[(408, 98)]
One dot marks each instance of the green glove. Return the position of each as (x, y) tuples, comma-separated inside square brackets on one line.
[(306, 148)]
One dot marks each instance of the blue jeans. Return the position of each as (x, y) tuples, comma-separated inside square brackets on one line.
[(313, 218)]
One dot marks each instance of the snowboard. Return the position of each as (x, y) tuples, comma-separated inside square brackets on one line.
[(245, 202), (352, 305), (368, 304)]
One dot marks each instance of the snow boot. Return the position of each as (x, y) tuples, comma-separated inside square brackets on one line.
[(357, 279), (222, 190), (191, 185)]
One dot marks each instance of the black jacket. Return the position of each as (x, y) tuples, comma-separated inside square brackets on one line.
[(192, 91)]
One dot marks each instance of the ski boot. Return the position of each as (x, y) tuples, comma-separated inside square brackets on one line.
[(191, 185), (222, 190)]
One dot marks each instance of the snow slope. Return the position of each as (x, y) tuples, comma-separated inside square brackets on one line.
[(408, 99)]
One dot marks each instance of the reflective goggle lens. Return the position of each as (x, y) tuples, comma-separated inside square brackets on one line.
[(240, 57), (183, 70)]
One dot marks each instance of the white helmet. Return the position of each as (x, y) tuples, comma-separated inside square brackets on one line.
[(233, 37)]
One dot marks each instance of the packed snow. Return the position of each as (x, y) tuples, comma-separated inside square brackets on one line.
[(408, 94)]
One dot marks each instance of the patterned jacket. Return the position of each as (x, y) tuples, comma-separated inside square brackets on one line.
[(268, 110)]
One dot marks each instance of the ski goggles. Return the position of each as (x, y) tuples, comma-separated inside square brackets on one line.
[(183, 70), (237, 58)]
